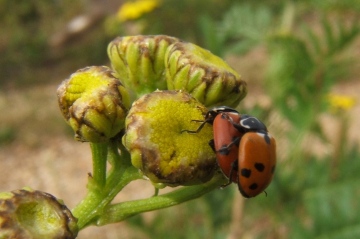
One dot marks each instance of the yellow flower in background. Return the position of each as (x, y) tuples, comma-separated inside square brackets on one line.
[(340, 102), (135, 9)]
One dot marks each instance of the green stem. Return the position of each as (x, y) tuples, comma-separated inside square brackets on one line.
[(98, 197), (287, 20), (116, 160), (96, 183), (121, 211), (87, 208), (121, 169), (94, 204), (99, 156), (339, 145)]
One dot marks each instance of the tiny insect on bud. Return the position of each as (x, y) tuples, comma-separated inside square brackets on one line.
[(158, 145), (94, 103)]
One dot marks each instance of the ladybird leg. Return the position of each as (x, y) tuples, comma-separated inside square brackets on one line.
[(198, 121), (234, 169), (198, 129), (226, 148), (237, 126), (228, 118), (212, 145), (232, 172)]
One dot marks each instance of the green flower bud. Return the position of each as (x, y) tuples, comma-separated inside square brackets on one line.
[(29, 214), (159, 147), (94, 103), (139, 61), (205, 76)]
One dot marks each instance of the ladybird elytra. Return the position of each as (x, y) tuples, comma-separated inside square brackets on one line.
[(256, 163), (226, 144)]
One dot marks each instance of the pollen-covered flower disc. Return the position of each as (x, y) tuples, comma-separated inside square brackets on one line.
[(158, 145)]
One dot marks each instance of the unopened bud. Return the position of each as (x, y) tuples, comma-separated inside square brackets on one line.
[(139, 61), (205, 76), (94, 103)]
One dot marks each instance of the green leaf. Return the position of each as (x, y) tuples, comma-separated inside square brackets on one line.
[(246, 25), (314, 40), (335, 38), (333, 207), (329, 35)]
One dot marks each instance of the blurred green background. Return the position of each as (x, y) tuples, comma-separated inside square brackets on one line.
[(301, 62)]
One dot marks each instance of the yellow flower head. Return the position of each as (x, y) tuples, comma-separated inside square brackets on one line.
[(135, 9), (159, 147), (340, 102)]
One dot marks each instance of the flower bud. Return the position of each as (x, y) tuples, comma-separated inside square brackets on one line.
[(205, 76), (27, 213), (139, 61), (158, 145), (94, 103)]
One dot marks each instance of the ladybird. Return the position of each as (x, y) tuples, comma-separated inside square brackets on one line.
[(245, 151)]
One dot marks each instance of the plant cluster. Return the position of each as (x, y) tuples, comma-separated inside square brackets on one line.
[(309, 50), (134, 117)]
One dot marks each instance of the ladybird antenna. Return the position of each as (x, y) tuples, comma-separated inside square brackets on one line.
[(265, 193)]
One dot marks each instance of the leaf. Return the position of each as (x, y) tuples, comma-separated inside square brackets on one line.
[(313, 39), (333, 207), (349, 232), (335, 38), (244, 22), (329, 35), (211, 39)]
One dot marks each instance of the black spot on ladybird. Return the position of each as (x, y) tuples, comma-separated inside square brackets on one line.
[(245, 172), (259, 167), (253, 186)]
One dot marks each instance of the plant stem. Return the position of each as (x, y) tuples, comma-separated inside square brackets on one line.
[(121, 211), (94, 204), (339, 145), (102, 189), (96, 182), (99, 156)]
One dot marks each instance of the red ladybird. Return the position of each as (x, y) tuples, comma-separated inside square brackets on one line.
[(245, 152)]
